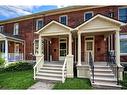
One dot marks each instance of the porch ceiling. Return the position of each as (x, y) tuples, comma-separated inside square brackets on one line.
[(99, 23), (54, 28)]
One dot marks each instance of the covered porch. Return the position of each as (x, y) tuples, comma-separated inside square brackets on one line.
[(11, 48), (55, 47), (97, 37)]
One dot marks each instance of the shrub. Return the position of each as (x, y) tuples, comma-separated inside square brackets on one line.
[(2, 61), (19, 66)]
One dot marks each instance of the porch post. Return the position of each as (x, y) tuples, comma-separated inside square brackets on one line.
[(70, 44), (6, 50), (117, 47), (79, 49), (117, 54), (40, 46), (70, 72)]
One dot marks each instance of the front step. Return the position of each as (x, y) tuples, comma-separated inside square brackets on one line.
[(48, 78), (104, 78), (50, 72)]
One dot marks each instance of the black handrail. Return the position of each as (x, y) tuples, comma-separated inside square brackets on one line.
[(91, 66), (112, 63)]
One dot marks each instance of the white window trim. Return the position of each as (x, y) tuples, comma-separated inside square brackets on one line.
[(15, 32), (64, 16), (118, 10), (86, 13), (37, 23), (1, 28), (123, 54)]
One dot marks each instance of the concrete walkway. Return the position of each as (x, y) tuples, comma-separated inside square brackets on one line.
[(42, 85)]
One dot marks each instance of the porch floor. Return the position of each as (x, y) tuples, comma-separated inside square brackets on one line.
[(96, 63)]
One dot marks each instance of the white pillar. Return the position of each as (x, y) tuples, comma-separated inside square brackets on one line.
[(6, 50), (40, 46), (70, 44), (79, 49), (117, 47)]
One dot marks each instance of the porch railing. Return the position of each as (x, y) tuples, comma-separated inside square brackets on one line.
[(38, 65), (63, 70), (91, 64), (13, 56), (112, 63)]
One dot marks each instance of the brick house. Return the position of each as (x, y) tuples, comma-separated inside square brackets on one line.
[(81, 35)]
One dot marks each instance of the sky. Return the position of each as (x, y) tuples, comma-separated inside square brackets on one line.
[(7, 12)]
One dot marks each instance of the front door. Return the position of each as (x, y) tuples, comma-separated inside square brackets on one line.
[(62, 48), (89, 48)]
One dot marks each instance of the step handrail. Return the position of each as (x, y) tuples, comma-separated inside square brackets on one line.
[(91, 64), (113, 65), (38, 65), (63, 69)]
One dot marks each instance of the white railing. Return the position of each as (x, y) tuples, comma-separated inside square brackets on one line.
[(13, 56), (63, 70), (38, 65)]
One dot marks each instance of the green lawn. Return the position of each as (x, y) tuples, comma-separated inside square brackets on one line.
[(124, 82), (74, 83), (16, 80)]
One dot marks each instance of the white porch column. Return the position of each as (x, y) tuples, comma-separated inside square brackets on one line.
[(40, 46), (117, 54), (79, 49), (117, 47), (6, 50), (70, 44)]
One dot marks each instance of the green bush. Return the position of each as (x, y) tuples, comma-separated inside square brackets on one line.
[(19, 66), (2, 61)]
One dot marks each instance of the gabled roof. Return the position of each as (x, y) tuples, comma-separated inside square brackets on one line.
[(54, 22), (103, 17)]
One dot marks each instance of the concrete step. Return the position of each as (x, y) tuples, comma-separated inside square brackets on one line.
[(106, 80), (101, 67), (53, 65), (49, 74), (105, 75), (51, 71), (51, 68), (48, 78), (105, 85)]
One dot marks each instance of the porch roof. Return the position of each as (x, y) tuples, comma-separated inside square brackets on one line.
[(4, 35), (54, 28), (100, 23)]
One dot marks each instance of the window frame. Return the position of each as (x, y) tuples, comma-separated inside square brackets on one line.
[(86, 13), (1, 28), (118, 12), (37, 23), (66, 19), (123, 54), (16, 31)]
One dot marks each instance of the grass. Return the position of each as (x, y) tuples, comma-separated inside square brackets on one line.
[(74, 83), (16, 80), (124, 82)]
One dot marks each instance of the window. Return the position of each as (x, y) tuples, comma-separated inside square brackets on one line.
[(88, 15), (39, 24), (1, 28), (123, 43), (111, 14), (16, 29), (63, 20), (123, 14)]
